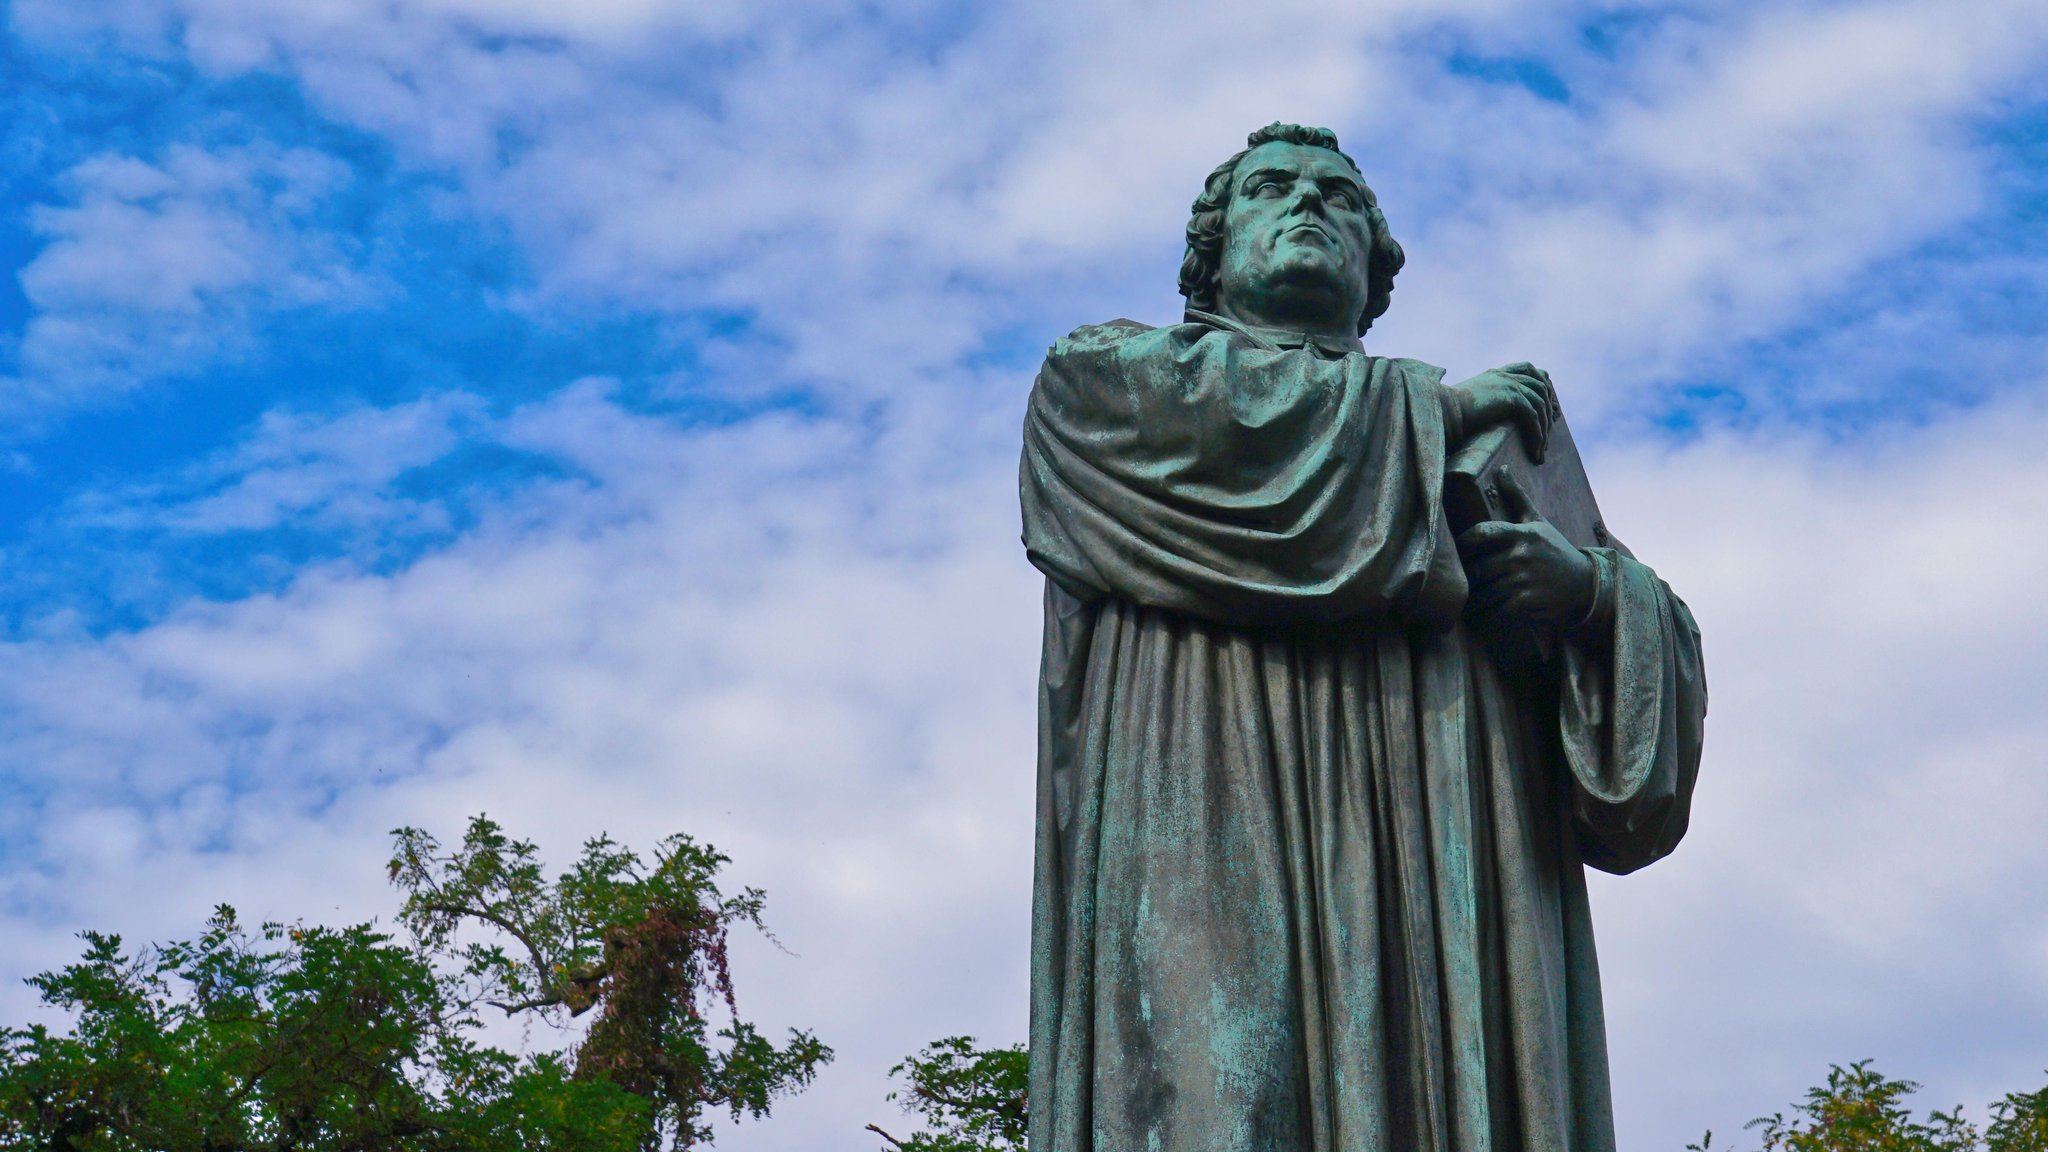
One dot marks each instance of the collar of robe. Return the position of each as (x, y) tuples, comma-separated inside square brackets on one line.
[(1331, 347)]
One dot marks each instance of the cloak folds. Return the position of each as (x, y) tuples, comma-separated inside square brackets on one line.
[(1310, 871)]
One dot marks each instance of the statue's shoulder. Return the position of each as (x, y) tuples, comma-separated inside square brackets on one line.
[(1130, 341), (1122, 358), (1412, 369), (1097, 338)]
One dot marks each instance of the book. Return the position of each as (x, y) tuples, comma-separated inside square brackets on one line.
[(1557, 487), (1559, 492)]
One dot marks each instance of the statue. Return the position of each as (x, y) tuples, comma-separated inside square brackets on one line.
[(1310, 865)]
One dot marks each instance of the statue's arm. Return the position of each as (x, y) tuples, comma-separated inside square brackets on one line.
[(1519, 394), (1632, 707)]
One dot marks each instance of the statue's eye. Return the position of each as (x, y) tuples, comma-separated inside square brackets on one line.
[(1342, 198), (1268, 188)]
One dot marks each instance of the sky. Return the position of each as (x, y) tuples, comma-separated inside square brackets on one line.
[(605, 416)]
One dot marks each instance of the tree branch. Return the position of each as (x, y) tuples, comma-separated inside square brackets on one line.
[(540, 963), (549, 1001)]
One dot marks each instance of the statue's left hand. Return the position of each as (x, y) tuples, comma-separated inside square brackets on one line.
[(1526, 570)]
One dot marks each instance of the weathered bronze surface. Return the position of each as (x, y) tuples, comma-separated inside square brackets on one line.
[(1312, 840)]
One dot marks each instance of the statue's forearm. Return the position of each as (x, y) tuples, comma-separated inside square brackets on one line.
[(1453, 405)]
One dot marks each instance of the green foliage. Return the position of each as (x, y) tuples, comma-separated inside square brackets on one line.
[(1861, 1110), (2019, 1123), (972, 1099), (288, 1037), (644, 944), (346, 1040)]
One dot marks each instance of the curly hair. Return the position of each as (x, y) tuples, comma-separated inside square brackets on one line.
[(1201, 267)]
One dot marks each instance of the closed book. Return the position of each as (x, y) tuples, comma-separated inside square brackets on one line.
[(1558, 490), (1557, 487)]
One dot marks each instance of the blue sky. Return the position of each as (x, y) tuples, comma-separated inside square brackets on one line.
[(605, 415)]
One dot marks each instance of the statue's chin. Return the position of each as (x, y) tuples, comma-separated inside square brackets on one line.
[(1306, 262), (1290, 292)]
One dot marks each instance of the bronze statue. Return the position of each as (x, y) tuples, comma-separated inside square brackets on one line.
[(1311, 848)]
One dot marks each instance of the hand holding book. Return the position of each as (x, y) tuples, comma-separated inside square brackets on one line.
[(1523, 569), (1523, 522)]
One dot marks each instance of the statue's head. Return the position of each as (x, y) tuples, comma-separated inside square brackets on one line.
[(1286, 233)]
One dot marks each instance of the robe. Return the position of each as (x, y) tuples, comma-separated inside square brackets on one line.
[(1310, 866)]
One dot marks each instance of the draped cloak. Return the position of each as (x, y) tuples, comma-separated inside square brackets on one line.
[(1310, 868)]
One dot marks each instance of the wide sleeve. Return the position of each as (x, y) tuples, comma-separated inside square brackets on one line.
[(1632, 710), (1195, 470)]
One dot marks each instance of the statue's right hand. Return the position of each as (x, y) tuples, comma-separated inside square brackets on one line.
[(1519, 393)]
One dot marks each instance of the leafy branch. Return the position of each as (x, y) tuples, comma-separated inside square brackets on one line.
[(971, 1099)]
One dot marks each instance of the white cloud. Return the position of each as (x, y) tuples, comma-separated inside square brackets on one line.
[(831, 681), (874, 200), (1740, 174), (153, 269), (1859, 880), (324, 472)]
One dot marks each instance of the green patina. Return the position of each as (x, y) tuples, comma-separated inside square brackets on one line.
[(1311, 855)]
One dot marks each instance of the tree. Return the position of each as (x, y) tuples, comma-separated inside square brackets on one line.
[(317, 1039), (2019, 1123), (646, 946), (1861, 1110), (973, 1099)]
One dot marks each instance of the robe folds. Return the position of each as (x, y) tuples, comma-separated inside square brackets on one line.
[(1310, 867)]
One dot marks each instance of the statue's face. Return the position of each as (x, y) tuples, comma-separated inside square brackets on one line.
[(1297, 245)]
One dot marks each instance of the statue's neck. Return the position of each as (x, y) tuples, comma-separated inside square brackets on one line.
[(1286, 335), (1312, 317)]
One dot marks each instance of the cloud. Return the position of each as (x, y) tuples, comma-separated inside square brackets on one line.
[(883, 200), (324, 472), (1738, 175), (150, 270), (816, 658), (1858, 880)]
